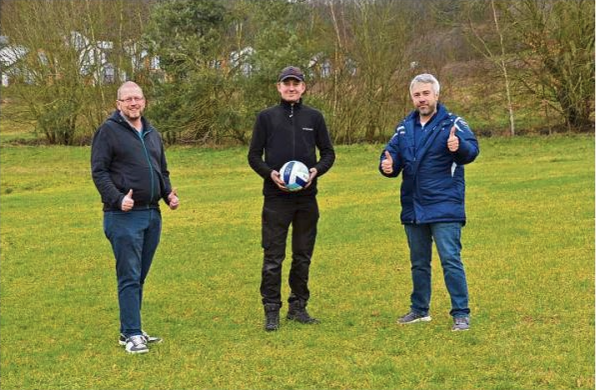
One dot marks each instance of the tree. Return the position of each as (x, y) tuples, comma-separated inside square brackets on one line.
[(491, 44), (264, 36), (187, 37), (369, 67), (282, 35), (185, 34), (60, 78), (557, 46)]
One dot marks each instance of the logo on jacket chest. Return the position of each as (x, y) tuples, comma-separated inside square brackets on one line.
[(307, 129)]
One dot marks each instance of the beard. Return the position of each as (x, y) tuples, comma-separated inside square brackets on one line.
[(132, 115), (428, 110)]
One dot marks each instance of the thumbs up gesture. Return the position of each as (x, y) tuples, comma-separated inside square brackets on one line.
[(127, 202), (387, 164), (173, 199), (452, 141)]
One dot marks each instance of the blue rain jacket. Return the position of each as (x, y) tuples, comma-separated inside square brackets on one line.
[(433, 183)]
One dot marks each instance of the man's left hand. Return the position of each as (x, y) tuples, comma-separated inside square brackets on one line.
[(173, 199), (452, 141), (313, 174)]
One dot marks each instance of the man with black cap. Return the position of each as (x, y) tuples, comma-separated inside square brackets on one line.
[(289, 131)]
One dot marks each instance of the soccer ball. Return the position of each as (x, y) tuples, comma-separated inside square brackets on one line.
[(295, 175)]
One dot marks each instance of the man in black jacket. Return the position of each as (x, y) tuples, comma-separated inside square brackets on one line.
[(130, 172), (289, 131)]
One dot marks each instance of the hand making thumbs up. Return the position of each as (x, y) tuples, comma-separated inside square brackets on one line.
[(387, 164), (453, 141), (127, 202)]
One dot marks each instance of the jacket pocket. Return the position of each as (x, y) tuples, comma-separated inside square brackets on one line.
[(121, 182)]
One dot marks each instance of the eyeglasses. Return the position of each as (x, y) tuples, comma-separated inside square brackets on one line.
[(132, 99)]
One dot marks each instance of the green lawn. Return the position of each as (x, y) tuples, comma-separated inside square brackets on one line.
[(528, 251)]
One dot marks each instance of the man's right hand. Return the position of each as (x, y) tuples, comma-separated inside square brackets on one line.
[(387, 164), (276, 177), (127, 202), (174, 202)]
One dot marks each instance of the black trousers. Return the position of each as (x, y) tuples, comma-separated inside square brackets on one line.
[(278, 214)]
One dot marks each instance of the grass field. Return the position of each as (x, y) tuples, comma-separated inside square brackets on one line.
[(528, 251)]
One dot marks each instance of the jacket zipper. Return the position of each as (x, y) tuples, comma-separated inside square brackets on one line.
[(417, 186), (293, 130), (142, 136)]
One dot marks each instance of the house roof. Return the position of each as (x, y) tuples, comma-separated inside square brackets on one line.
[(9, 55)]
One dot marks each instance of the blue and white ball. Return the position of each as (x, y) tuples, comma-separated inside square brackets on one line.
[(295, 175)]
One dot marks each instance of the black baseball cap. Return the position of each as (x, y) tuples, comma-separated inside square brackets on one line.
[(291, 72)]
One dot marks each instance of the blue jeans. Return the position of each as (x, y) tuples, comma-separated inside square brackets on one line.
[(447, 237), (134, 236)]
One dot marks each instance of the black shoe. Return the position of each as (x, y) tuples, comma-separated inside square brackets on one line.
[(297, 312), (271, 317)]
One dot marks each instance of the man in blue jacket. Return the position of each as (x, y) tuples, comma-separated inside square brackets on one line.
[(289, 131), (430, 148), (129, 169)]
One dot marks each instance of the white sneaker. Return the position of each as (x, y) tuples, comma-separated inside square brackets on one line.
[(136, 344), (150, 339)]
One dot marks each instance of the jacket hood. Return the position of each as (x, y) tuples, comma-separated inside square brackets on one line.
[(118, 118)]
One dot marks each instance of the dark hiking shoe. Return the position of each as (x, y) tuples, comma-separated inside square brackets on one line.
[(271, 318), (297, 312)]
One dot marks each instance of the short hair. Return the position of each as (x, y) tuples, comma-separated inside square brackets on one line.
[(426, 78), (127, 85)]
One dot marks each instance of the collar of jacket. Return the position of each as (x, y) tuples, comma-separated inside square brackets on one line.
[(288, 106), (441, 115), (118, 118)]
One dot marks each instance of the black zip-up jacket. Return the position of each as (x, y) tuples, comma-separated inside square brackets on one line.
[(123, 159), (290, 132)]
